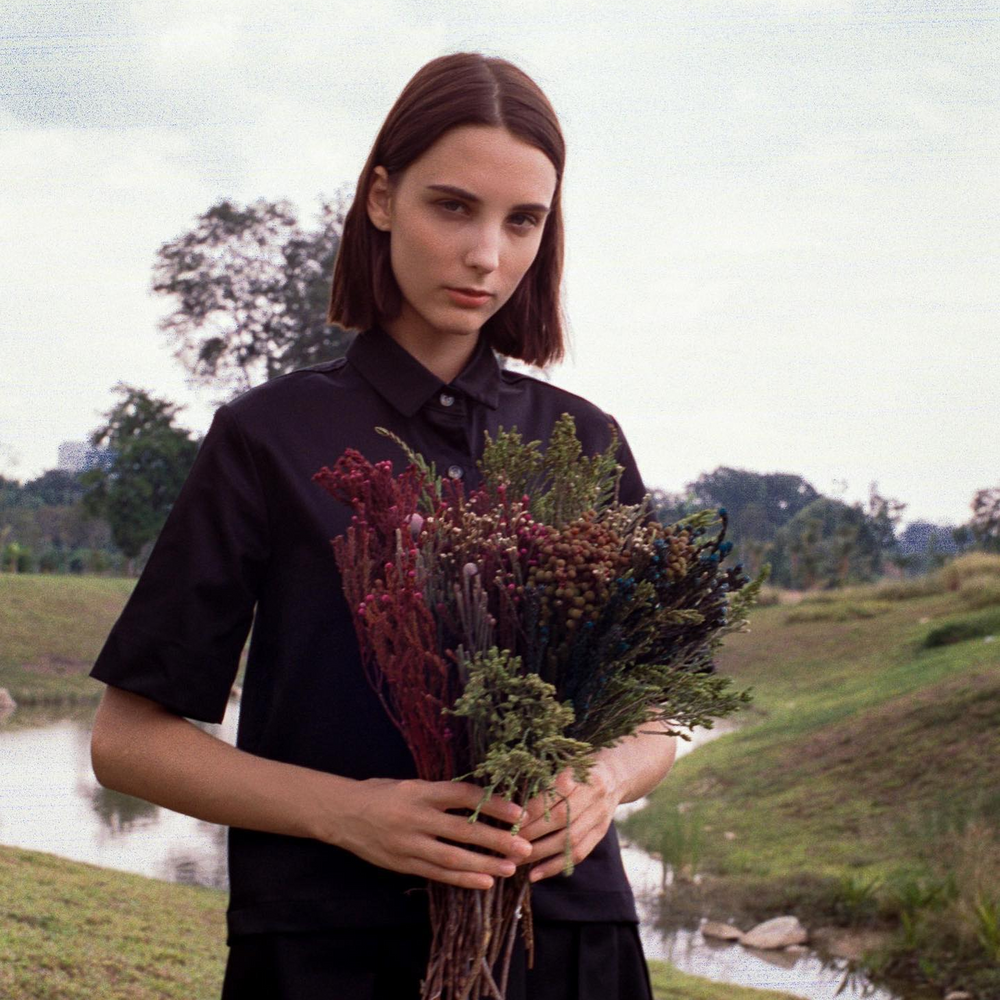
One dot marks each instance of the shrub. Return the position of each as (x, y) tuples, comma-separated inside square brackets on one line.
[(969, 565), (768, 596), (959, 629), (839, 612), (904, 590), (980, 591)]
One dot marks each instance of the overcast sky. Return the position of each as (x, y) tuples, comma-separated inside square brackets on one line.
[(782, 217)]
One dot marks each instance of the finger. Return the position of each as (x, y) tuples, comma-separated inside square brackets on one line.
[(464, 795), (582, 827), (465, 880), (544, 802), (483, 835), (456, 858), (567, 807), (555, 865)]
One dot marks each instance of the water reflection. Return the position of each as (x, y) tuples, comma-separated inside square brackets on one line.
[(804, 973), (50, 801), (120, 811)]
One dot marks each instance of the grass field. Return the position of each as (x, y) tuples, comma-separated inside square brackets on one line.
[(864, 786), (72, 931), (53, 627), (863, 789)]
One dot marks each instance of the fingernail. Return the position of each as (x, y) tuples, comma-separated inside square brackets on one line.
[(535, 876), (508, 868)]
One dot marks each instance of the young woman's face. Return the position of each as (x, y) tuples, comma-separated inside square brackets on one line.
[(468, 214)]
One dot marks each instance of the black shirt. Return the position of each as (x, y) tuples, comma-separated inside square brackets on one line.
[(250, 529)]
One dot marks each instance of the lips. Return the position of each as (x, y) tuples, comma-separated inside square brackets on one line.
[(469, 299)]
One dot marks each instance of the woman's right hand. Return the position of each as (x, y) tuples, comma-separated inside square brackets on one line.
[(401, 824)]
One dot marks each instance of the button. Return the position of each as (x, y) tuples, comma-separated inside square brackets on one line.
[(456, 471), (447, 399)]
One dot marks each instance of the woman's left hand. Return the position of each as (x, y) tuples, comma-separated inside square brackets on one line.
[(591, 808)]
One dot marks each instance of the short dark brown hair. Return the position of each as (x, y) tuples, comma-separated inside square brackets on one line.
[(464, 88)]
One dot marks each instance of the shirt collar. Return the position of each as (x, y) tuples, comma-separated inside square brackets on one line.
[(405, 383)]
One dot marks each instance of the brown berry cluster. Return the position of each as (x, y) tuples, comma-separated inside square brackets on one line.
[(677, 553), (574, 570)]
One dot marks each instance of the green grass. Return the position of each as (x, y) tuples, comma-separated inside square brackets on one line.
[(71, 931), (672, 984), (53, 627), (865, 763)]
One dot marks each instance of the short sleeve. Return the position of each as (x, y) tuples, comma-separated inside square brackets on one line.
[(179, 638)]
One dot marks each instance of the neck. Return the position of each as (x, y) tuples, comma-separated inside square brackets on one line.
[(444, 354)]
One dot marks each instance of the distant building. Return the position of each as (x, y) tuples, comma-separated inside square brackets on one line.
[(79, 456)]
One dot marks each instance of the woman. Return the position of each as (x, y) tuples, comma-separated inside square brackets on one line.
[(452, 250)]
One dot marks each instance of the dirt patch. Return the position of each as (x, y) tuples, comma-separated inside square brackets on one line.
[(58, 666)]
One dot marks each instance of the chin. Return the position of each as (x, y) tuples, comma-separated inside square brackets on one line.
[(461, 326)]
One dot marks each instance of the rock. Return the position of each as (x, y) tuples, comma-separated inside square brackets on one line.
[(729, 835), (725, 932), (958, 995), (776, 933)]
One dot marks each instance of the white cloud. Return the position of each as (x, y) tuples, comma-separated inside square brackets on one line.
[(778, 210)]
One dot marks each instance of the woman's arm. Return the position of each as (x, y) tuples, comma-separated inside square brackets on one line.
[(141, 748), (640, 762)]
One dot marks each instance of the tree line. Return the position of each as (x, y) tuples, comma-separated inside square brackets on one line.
[(248, 286)]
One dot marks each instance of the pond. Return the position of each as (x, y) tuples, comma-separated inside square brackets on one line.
[(51, 801)]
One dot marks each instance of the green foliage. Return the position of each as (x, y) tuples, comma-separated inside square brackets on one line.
[(856, 900), (836, 611), (151, 458), (987, 914), (516, 727), (562, 483), (680, 841), (964, 627), (433, 481), (758, 504), (980, 592)]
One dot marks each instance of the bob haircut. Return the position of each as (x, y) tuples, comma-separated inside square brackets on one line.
[(464, 88)]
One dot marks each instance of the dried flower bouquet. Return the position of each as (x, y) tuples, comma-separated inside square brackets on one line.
[(513, 632)]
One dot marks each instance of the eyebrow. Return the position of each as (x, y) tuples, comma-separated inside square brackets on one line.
[(469, 196)]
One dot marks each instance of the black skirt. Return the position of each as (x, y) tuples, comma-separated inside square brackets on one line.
[(573, 961)]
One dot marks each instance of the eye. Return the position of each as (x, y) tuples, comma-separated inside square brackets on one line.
[(450, 201), (532, 220)]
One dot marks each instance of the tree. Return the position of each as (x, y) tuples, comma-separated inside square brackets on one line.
[(985, 523), (883, 515), (758, 503), (827, 543), (252, 287), (150, 461), (55, 487)]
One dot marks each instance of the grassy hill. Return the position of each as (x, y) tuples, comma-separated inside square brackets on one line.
[(53, 627), (864, 786), (71, 931)]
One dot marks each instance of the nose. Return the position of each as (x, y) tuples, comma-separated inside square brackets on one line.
[(484, 254)]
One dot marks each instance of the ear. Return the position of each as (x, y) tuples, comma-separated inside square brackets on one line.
[(379, 201)]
